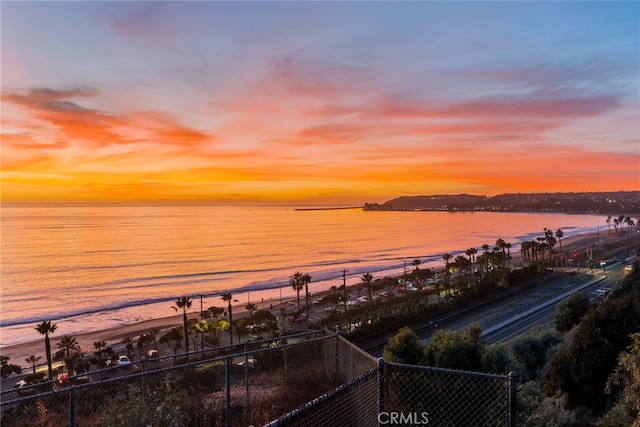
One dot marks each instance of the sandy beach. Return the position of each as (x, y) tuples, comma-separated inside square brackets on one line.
[(18, 353)]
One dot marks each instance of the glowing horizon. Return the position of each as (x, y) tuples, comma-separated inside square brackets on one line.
[(323, 102)]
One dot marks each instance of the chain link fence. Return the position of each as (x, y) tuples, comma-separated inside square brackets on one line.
[(314, 379), (354, 403), (248, 384), (446, 397), (406, 395)]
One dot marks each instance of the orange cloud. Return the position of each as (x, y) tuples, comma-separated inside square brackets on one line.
[(299, 139)]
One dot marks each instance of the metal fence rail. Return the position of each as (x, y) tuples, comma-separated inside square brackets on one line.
[(316, 380)]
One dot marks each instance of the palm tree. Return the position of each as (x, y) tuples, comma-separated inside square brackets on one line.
[(297, 284), (100, 347), (471, 253), (128, 344), (46, 328), (153, 333), (68, 343), (629, 221), (33, 361), (416, 263), (502, 245), (184, 303), (560, 235), (367, 278), (609, 223), (550, 240), (524, 251), (461, 263), (174, 334), (621, 221), (306, 279), (447, 257), (228, 297), (485, 250), (250, 307), (508, 246)]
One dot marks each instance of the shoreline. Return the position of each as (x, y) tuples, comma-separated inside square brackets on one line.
[(114, 335)]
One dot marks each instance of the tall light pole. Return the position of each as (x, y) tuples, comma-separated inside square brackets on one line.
[(201, 318), (344, 283), (405, 275)]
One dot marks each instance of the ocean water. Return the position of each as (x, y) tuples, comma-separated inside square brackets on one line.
[(91, 267)]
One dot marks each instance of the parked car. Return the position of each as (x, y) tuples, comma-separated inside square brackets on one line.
[(153, 354), (123, 361)]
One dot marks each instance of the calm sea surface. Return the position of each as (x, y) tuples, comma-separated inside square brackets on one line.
[(92, 267)]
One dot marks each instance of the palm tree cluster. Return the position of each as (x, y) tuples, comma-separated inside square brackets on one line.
[(206, 323), (541, 250), (490, 267), (619, 221), (68, 350)]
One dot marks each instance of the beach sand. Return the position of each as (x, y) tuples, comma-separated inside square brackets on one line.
[(18, 353)]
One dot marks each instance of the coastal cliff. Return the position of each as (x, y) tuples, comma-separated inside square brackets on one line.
[(607, 203)]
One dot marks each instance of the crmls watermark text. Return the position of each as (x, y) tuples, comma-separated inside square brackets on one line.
[(391, 418)]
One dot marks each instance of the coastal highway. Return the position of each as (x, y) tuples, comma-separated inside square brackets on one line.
[(544, 314), (515, 313)]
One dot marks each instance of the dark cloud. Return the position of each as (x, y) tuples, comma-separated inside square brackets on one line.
[(51, 98)]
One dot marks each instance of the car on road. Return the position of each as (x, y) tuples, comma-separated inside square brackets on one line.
[(628, 268), (124, 361)]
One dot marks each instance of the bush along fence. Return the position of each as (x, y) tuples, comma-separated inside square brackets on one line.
[(396, 394), (312, 379)]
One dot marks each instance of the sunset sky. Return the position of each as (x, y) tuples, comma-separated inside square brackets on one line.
[(317, 102)]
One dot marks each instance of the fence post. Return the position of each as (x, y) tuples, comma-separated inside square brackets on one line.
[(337, 354), (382, 386), (512, 398), (72, 406), (246, 371), (228, 392), (143, 378), (353, 363), (284, 362)]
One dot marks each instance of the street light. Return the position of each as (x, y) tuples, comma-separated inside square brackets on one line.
[(201, 318), (344, 283)]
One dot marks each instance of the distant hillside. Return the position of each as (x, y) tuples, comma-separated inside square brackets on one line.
[(607, 203)]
